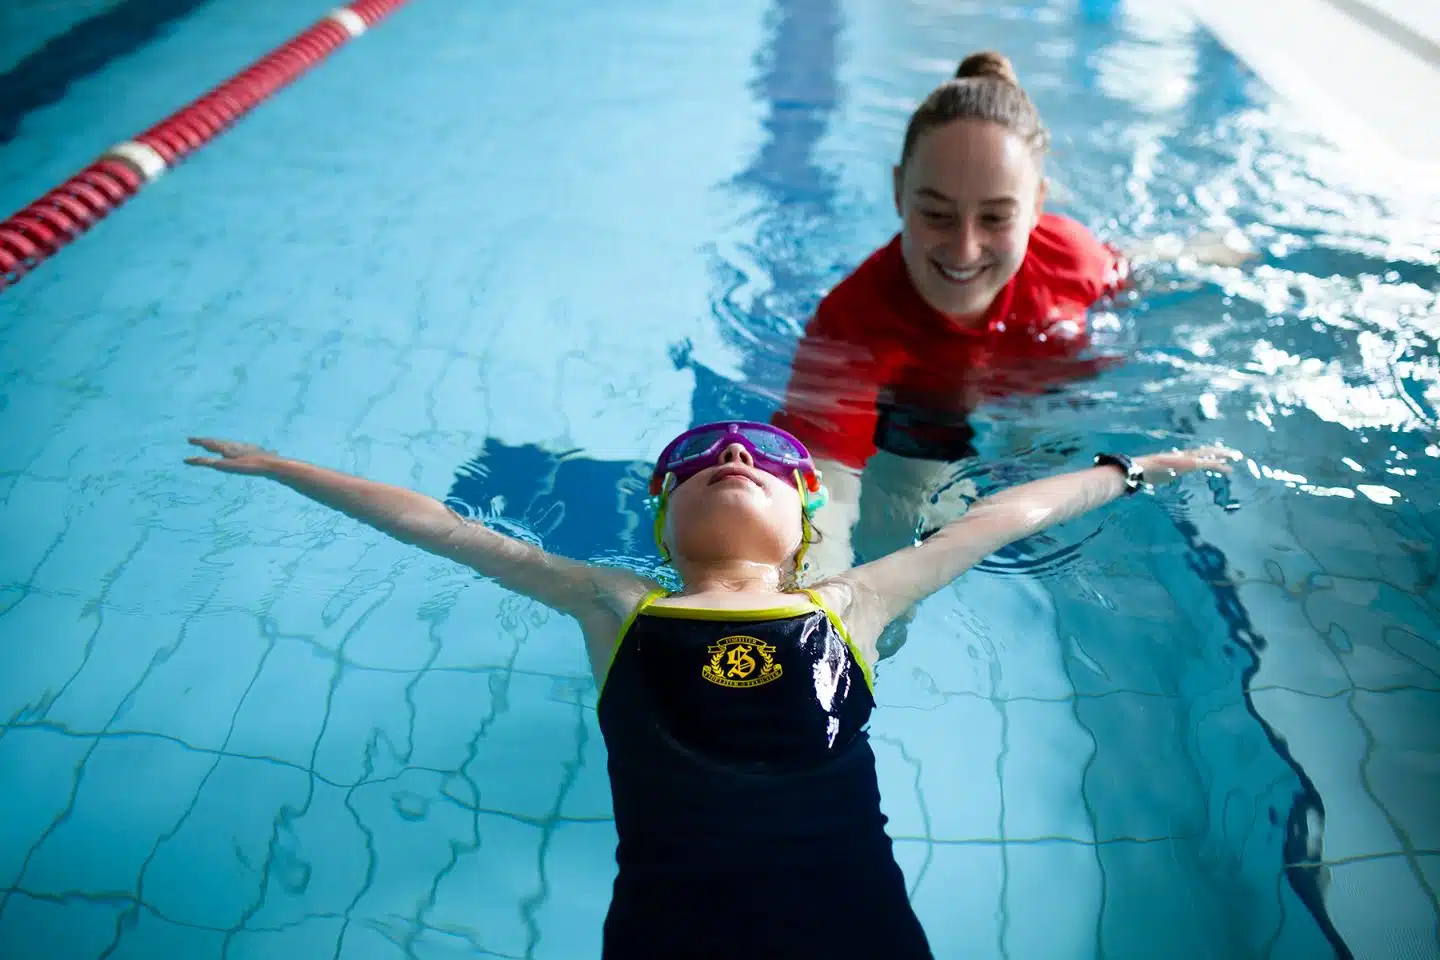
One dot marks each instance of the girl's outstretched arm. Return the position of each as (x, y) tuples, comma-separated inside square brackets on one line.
[(599, 597), (876, 593)]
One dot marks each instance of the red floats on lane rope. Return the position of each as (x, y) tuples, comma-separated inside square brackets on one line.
[(35, 233)]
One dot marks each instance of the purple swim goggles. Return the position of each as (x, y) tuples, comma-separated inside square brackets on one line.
[(773, 450)]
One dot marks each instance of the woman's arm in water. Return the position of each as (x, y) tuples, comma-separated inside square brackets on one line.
[(875, 593), (599, 597), (1212, 248)]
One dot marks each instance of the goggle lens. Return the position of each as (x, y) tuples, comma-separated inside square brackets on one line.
[(771, 444), (696, 445)]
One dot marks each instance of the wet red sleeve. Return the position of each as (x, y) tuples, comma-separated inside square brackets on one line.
[(1072, 263), (834, 381)]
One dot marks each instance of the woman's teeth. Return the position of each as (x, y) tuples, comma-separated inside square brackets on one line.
[(959, 276)]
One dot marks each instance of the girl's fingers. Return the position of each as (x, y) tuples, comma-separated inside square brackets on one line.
[(211, 444), (227, 448)]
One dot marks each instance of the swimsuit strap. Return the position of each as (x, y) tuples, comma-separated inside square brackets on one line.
[(639, 608)]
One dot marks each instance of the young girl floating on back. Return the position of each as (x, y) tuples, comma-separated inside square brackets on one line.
[(734, 711)]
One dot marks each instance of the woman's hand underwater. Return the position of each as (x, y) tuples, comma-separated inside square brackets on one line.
[(1163, 467)]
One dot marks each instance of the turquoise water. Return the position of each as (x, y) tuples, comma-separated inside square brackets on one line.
[(501, 254)]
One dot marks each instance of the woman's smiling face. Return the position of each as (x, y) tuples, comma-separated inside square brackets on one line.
[(968, 196)]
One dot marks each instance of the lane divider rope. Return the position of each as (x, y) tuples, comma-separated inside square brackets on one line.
[(37, 232)]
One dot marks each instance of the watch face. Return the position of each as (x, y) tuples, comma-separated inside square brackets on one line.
[(1134, 475)]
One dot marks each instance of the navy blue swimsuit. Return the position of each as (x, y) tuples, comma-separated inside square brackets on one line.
[(746, 799)]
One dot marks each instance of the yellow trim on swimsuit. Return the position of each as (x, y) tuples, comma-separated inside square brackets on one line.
[(740, 616), (717, 613), (845, 635), (645, 601)]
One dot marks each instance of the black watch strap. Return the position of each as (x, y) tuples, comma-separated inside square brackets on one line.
[(1134, 475)]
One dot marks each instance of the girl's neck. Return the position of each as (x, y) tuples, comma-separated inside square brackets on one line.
[(730, 577)]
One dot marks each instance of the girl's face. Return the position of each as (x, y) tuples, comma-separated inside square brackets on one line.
[(968, 197), (734, 511)]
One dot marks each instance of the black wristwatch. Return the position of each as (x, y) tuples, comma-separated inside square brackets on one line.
[(1134, 475)]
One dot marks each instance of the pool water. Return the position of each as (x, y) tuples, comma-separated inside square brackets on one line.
[(500, 254)]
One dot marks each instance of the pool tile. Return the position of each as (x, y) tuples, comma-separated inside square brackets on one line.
[(367, 731), (588, 797), (319, 859), (398, 633), (1043, 766), (41, 767), (50, 640), (1134, 800), (1051, 899), (414, 836), (493, 887), (1296, 657), (109, 813), (29, 428), (313, 937), (1378, 633), (105, 526), (1402, 764), (194, 691), (37, 516), (549, 643), (284, 709), (484, 627), (1325, 738), (956, 893), (1398, 923), (530, 752), (74, 930), (452, 710), (153, 936), (229, 830), (580, 870), (397, 413), (916, 769)]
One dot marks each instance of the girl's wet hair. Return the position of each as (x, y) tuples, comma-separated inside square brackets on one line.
[(985, 88)]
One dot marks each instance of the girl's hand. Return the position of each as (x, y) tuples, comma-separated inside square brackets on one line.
[(1163, 467), (235, 457)]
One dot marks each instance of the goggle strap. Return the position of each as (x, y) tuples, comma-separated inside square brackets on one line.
[(660, 519)]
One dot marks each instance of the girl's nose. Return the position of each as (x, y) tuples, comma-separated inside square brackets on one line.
[(736, 453)]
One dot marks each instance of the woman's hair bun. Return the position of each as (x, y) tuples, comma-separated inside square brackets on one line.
[(987, 63)]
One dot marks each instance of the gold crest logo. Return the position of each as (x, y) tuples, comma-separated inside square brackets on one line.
[(741, 662)]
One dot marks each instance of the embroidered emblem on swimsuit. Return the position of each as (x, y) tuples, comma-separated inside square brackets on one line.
[(741, 662)]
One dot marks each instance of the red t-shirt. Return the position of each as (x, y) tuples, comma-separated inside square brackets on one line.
[(879, 365)]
